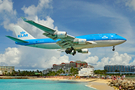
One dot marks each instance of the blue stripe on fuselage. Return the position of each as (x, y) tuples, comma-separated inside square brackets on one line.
[(90, 37), (95, 37)]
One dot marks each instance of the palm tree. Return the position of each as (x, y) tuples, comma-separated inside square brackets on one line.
[(73, 71), (66, 71), (5, 73), (13, 72)]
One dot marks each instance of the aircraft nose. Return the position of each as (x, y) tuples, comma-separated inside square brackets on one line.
[(123, 39)]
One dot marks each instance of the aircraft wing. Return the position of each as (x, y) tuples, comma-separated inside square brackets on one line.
[(48, 31), (65, 39), (44, 28)]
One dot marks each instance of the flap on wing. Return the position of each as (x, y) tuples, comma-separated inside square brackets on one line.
[(50, 36), (17, 40), (65, 43), (69, 37)]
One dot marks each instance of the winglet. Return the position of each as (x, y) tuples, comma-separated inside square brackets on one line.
[(24, 19)]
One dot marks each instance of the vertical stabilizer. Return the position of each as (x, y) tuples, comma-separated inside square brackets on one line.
[(22, 34)]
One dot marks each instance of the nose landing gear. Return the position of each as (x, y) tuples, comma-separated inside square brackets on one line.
[(113, 48)]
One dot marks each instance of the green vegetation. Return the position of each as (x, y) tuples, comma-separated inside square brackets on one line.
[(24, 73), (100, 71), (117, 71), (73, 71)]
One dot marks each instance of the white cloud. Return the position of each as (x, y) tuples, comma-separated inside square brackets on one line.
[(33, 10), (92, 60), (130, 3), (57, 60), (7, 5), (8, 25), (8, 14), (116, 59), (133, 63), (28, 58), (10, 57)]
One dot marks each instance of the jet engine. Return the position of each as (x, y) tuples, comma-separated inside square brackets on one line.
[(83, 51), (60, 34), (80, 41)]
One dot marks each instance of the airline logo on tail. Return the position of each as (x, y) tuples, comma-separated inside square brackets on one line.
[(22, 34)]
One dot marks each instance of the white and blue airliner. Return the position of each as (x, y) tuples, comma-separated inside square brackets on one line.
[(61, 40)]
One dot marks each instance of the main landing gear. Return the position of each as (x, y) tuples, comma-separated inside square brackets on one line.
[(113, 48), (70, 51)]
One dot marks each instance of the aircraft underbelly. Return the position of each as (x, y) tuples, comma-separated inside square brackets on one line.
[(105, 43), (46, 46), (101, 43)]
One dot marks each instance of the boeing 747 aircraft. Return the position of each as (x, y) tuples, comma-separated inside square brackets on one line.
[(61, 40)]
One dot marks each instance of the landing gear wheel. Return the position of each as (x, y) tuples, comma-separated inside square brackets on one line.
[(70, 51), (113, 48), (74, 52)]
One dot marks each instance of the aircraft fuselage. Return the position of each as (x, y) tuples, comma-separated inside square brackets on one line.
[(102, 40)]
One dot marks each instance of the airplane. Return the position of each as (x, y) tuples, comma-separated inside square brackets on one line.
[(61, 40)]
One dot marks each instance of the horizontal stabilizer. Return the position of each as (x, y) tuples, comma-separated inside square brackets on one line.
[(17, 40)]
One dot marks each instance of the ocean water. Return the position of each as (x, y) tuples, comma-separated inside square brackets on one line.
[(27, 84)]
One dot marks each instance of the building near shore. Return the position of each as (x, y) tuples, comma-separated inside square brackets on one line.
[(6, 69), (47, 70), (67, 66), (122, 69), (89, 71)]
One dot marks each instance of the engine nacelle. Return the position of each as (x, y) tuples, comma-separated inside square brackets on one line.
[(60, 34), (79, 41), (83, 51)]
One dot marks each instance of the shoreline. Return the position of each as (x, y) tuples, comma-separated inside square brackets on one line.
[(98, 84)]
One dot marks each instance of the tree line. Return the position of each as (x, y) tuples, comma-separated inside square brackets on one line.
[(23, 73)]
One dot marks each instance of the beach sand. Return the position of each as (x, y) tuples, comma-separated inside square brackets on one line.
[(99, 84)]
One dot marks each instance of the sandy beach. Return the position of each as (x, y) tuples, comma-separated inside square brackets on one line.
[(99, 84)]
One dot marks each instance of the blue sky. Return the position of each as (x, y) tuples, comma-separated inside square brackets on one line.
[(76, 17)]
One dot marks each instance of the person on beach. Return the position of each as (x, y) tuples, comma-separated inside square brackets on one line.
[(120, 87), (114, 77)]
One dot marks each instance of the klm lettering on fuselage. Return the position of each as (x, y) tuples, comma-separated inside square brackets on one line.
[(22, 34)]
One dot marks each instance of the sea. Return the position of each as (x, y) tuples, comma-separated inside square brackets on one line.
[(27, 84)]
